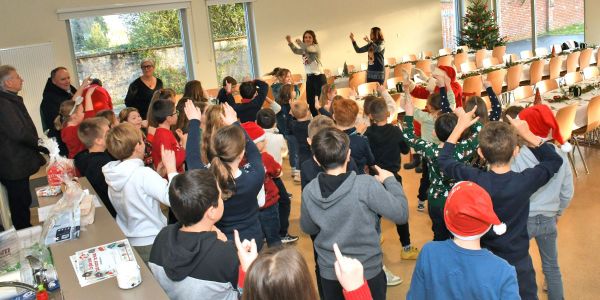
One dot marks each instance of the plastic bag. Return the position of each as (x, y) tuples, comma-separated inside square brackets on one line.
[(59, 168), (64, 222)]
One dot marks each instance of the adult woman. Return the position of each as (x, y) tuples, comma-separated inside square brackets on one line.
[(141, 90), (376, 48), (311, 57)]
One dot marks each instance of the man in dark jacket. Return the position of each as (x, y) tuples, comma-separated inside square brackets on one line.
[(58, 89), (19, 150)]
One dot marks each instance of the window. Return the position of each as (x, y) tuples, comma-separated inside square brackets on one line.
[(514, 21), (111, 47), (449, 22), (559, 21), (231, 36)]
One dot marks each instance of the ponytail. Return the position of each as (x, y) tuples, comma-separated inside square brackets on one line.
[(222, 172), (64, 113), (227, 144)]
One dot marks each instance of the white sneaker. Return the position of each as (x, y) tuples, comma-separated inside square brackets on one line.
[(391, 278)]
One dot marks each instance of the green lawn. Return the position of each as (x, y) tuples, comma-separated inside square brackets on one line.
[(571, 29)]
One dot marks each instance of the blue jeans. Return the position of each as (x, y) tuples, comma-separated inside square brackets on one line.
[(269, 221), (543, 229), (292, 145)]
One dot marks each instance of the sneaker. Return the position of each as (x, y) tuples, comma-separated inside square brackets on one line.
[(290, 195), (391, 278), (413, 164), (411, 254), (288, 238), (419, 169), (421, 206)]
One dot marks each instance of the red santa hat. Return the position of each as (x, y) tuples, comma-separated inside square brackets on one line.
[(469, 212), (541, 120), (256, 133)]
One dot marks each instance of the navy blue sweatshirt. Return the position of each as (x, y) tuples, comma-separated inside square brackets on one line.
[(300, 131), (225, 97), (241, 210), (247, 110), (360, 149), (510, 193), (387, 143)]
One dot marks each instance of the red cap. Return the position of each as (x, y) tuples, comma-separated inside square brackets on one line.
[(541, 120), (256, 133), (469, 211)]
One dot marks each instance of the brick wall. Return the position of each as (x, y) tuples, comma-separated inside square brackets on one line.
[(566, 12)]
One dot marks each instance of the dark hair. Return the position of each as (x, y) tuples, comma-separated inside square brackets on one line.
[(96, 81), (481, 110), (285, 93), (91, 129), (512, 111), (55, 70), (376, 31), (274, 72), (435, 101), (497, 141), (182, 120), (225, 147), (191, 194), (444, 124), (109, 115), (162, 94), (229, 79), (279, 273), (378, 110), (330, 147), (193, 89), (162, 109), (312, 33), (265, 118), (281, 72), (247, 89), (367, 104)]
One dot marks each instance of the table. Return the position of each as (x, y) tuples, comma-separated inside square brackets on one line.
[(102, 231)]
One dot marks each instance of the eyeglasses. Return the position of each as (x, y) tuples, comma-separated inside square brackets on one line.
[(176, 112), (147, 67)]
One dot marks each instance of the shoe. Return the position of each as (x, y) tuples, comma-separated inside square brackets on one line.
[(421, 206), (391, 278), (411, 254), (289, 238), (545, 286), (290, 195), (414, 163), (419, 169)]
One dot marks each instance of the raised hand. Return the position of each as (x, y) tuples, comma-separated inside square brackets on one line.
[(229, 115), (247, 252), (299, 41), (228, 87), (465, 119), (288, 39), (191, 111), (366, 38), (352, 36), (486, 83), (168, 159), (349, 271), (409, 106), (381, 89)]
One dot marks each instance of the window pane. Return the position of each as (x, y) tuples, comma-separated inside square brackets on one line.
[(559, 21), (449, 23), (230, 40), (514, 20), (111, 48)]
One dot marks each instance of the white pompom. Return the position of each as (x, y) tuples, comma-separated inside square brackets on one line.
[(566, 147), (499, 229)]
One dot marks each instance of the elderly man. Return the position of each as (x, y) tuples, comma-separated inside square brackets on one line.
[(19, 150), (58, 89)]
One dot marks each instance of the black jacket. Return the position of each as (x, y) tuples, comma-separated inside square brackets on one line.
[(90, 165), (49, 109), (387, 143), (139, 95), (19, 151)]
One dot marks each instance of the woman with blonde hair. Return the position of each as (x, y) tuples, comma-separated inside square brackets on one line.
[(141, 90)]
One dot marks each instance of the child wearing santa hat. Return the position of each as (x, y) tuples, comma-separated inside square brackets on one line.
[(460, 268), (269, 211), (549, 202)]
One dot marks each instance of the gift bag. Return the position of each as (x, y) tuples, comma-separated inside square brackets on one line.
[(63, 222), (59, 168)]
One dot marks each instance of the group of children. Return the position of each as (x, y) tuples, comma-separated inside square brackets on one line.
[(218, 168)]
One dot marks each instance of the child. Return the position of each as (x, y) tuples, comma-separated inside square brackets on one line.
[(550, 201), (274, 145), (136, 191), (162, 94), (440, 184), (284, 77), (132, 115), (71, 115), (269, 211), (239, 186), (92, 133), (323, 106), (459, 268), (192, 258), (299, 129), (387, 143), (230, 86), (109, 115), (288, 94), (254, 94), (165, 115), (344, 115), (510, 191), (213, 122), (340, 206)]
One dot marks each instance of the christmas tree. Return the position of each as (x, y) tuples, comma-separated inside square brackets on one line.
[(480, 30)]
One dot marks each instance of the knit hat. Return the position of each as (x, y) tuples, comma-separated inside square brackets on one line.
[(469, 213), (541, 120), (256, 133)]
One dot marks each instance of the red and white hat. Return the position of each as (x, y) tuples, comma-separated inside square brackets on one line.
[(256, 133), (541, 120), (469, 212)]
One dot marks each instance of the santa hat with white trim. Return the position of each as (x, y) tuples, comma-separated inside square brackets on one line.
[(469, 212), (255, 132), (541, 120)]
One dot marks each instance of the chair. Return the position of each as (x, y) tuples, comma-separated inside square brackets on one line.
[(467, 67), (472, 86), (572, 78), (498, 52), (425, 65), (591, 72), (367, 88), (405, 66), (541, 51), (409, 57), (444, 51), (390, 61), (523, 92), (464, 48), (391, 83), (297, 78), (459, 59), (510, 57), (565, 118), (526, 54), (536, 71), (584, 58), (426, 54), (490, 61), (496, 78), (555, 66), (327, 73), (445, 61), (547, 85), (572, 61), (593, 123), (479, 57), (513, 77), (212, 93), (344, 92), (356, 79)]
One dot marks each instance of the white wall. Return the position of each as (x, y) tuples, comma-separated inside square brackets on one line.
[(592, 21)]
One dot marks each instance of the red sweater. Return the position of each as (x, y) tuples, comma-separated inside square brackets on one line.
[(165, 137), (69, 136), (101, 99), (272, 170)]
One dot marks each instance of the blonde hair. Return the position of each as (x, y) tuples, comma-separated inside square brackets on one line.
[(325, 89), (91, 129), (122, 139), (319, 123), (64, 114), (213, 122), (225, 147), (300, 109)]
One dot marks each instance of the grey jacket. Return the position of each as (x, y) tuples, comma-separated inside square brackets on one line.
[(311, 56), (551, 199), (349, 218)]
